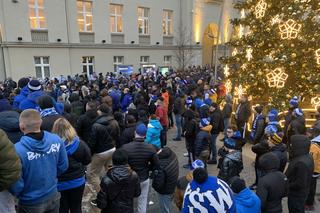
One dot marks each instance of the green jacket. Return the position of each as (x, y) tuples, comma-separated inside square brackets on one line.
[(10, 165)]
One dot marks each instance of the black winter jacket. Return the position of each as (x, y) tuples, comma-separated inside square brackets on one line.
[(190, 129), (178, 107), (118, 188), (227, 110), (300, 169), (296, 127), (77, 163), (216, 120), (281, 152), (142, 157), (231, 166), (84, 124), (165, 180), (9, 122), (105, 132), (260, 149), (202, 142), (259, 131), (48, 122), (272, 186), (244, 112), (127, 135)]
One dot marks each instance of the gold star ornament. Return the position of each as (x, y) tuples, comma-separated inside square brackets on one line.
[(277, 78), (289, 29)]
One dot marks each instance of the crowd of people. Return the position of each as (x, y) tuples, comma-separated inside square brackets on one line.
[(56, 135)]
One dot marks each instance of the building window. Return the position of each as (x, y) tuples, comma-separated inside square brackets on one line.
[(42, 66), (167, 60), (143, 20), (167, 22), (84, 16), (87, 65), (36, 14), (116, 18), (144, 59), (118, 60)]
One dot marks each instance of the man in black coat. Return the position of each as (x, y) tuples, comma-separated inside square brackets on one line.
[(104, 134), (243, 113), (142, 158), (297, 125), (128, 133), (272, 185), (165, 180), (84, 123), (258, 125), (120, 185), (299, 173)]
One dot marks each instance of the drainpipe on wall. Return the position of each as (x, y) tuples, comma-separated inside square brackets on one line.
[(68, 34), (1, 45)]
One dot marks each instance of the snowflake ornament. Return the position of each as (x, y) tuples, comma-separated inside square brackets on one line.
[(275, 20), (289, 29), (260, 9), (318, 56), (249, 53), (226, 70), (315, 101), (241, 31), (277, 78), (239, 91), (228, 86)]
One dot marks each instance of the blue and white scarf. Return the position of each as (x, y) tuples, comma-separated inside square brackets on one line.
[(48, 112)]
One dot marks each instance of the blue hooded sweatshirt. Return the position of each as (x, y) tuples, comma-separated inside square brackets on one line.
[(247, 201), (212, 196), (115, 95), (19, 98), (126, 101), (153, 133), (42, 161)]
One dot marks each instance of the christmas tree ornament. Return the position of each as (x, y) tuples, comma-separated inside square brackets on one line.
[(275, 20), (249, 53), (243, 14), (244, 66), (239, 91), (241, 31), (277, 78), (315, 101), (318, 56), (234, 52), (228, 86), (290, 29), (260, 9)]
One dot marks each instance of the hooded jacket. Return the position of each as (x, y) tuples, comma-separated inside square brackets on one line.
[(231, 165), (247, 202), (272, 186), (10, 166), (315, 152), (9, 122), (5, 105), (296, 127), (105, 133), (126, 101), (281, 152), (203, 140), (19, 98), (300, 169), (153, 133), (42, 161), (127, 135), (118, 188), (165, 181), (84, 124), (190, 128)]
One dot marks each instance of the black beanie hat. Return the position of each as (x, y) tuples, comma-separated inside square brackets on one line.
[(237, 184), (23, 82)]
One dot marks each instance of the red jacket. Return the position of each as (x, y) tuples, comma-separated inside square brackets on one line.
[(162, 115)]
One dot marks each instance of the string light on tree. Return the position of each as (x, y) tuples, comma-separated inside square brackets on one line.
[(234, 52), (260, 9), (243, 13), (228, 86), (249, 53), (244, 66), (318, 56), (226, 71), (289, 29), (277, 78), (315, 101)]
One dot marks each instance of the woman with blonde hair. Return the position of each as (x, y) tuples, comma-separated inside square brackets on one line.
[(71, 183)]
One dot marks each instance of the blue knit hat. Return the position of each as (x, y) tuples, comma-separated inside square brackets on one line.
[(197, 164), (294, 101), (204, 122), (141, 130), (273, 115)]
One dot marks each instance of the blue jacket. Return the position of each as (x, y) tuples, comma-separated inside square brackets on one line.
[(126, 101), (19, 98), (31, 102), (42, 161), (5, 105), (247, 201), (9, 122), (212, 196), (115, 95), (153, 133)]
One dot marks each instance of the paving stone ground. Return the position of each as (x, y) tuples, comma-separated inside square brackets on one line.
[(179, 148)]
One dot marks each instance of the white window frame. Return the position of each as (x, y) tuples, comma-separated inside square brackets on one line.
[(144, 59), (36, 7), (145, 20), (87, 64), (85, 13), (167, 22), (116, 16), (116, 60), (42, 65), (167, 62)]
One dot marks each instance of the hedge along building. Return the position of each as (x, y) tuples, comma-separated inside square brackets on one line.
[(49, 38)]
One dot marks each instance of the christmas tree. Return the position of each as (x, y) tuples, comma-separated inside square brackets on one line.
[(276, 52)]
